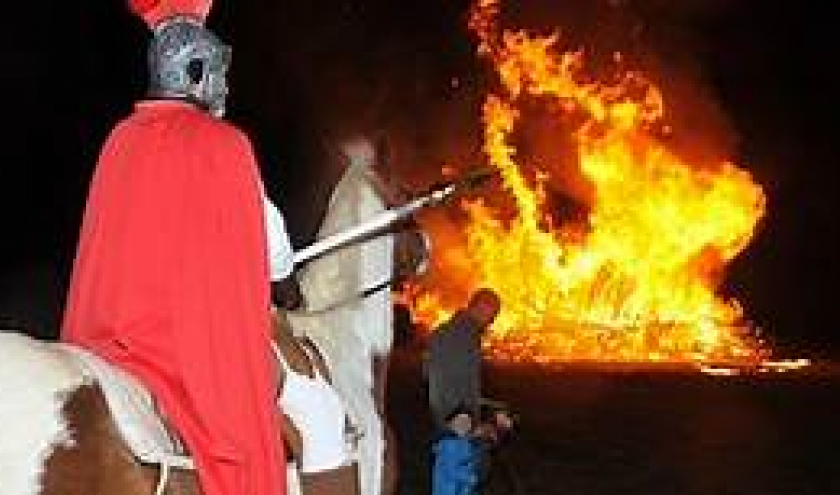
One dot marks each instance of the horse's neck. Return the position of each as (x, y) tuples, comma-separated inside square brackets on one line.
[(352, 201)]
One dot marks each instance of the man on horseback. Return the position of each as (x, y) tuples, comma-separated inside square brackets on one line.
[(171, 280)]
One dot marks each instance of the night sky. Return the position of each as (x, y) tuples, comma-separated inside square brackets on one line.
[(306, 72)]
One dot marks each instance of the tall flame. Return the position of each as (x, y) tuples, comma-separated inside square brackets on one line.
[(637, 279)]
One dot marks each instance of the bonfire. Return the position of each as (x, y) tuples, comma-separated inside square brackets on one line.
[(637, 275)]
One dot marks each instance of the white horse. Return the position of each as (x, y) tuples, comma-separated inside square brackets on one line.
[(356, 333)]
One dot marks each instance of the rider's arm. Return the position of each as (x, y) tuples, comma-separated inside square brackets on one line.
[(291, 438), (279, 247)]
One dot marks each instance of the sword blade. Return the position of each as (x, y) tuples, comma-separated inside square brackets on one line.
[(386, 221)]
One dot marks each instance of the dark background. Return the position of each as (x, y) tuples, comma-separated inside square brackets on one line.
[(305, 72)]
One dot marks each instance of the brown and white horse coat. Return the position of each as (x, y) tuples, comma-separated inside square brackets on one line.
[(60, 435)]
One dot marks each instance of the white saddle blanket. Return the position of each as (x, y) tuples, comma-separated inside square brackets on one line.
[(138, 420)]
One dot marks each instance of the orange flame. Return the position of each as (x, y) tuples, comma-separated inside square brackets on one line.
[(637, 279)]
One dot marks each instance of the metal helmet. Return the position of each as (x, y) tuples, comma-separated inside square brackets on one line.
[(188, 61)]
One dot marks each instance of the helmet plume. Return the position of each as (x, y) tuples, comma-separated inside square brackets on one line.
[(154, 11)]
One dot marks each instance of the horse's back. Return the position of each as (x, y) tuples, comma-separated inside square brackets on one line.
[(26, 360)]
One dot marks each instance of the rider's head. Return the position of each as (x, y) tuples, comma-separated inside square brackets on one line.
[(187, 61)]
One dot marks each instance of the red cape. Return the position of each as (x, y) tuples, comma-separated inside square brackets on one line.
[(171, 283)]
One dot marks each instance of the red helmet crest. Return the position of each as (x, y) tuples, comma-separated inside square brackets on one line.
[(154, 11)]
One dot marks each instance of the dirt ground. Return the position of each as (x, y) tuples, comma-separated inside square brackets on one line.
[(598, 431)]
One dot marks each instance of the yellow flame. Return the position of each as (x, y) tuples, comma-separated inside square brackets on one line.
[(637, 280)]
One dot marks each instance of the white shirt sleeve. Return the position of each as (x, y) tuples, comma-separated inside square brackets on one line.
[(279, 247)]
